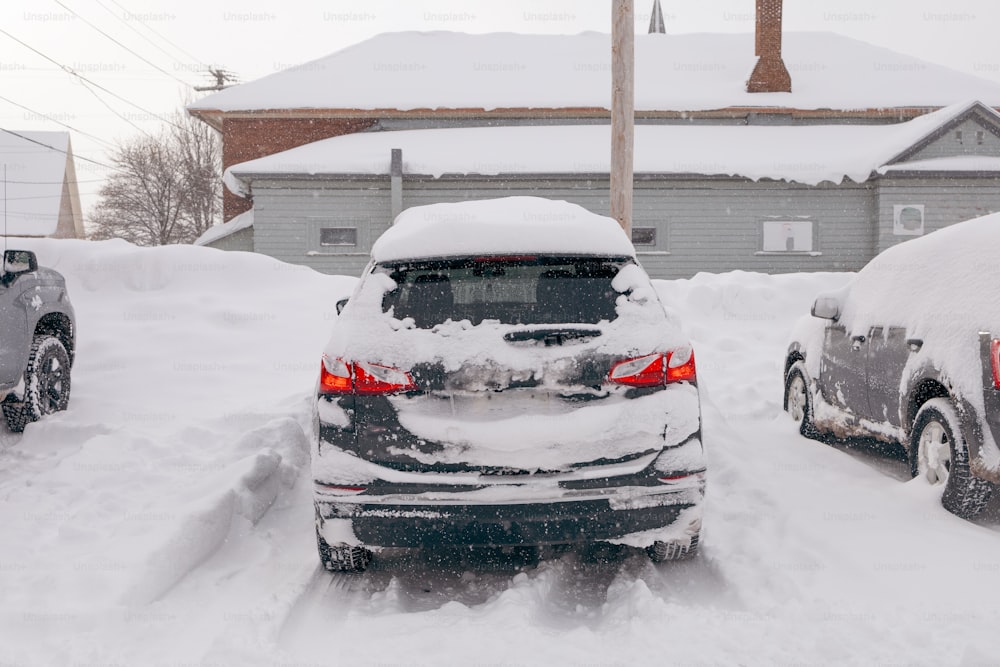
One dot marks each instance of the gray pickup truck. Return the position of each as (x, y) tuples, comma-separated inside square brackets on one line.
[(37, 340)]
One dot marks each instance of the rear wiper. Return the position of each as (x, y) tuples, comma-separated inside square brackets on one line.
[(550, 336)]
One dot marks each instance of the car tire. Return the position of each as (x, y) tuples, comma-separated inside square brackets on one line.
[(46, 384), (342, 558), (798, 402), (939, 456), (661, 552)]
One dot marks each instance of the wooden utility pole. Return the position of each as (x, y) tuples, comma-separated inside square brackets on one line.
[(622, 111)]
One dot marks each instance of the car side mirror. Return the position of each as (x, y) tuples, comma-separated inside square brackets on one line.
[(340, 306), (827, 308), (16, 262)]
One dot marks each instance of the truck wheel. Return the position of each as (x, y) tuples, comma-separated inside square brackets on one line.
[(798, 400), (939, 456), (342, 557), (664, 551), (46, 384)]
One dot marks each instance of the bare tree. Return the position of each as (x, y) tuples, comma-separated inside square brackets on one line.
[(200, 155), (165, 189)]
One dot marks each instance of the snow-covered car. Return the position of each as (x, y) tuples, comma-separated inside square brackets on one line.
[(505, 375), (909, 353), (37, 340)]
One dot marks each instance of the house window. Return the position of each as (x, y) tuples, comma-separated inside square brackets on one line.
[(980, 137), (343, 236), (644, 236), (787, 236), (908, 219)]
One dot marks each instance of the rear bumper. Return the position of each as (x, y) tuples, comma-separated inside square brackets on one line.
[(603, 514)]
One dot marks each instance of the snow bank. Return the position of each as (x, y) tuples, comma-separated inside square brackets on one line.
[(195, 372)]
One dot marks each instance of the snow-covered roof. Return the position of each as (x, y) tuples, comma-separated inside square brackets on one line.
[(808, 154), (500, 226), (35, 165), (215, 232), (954, 163), (685, 72)]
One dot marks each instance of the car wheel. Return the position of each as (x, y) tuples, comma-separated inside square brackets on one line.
[(798, 399), (668, 551), (46, 384), (342, 558), (938, 456)]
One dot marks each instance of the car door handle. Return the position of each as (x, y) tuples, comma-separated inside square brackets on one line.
[(857, 342)]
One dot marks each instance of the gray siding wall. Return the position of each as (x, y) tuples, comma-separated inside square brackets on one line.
[(949, 144), (288, 217), (946, 200), (706, 224), (709, 225), (241, 240)]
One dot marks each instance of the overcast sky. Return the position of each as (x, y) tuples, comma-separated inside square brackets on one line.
[(173, 43)]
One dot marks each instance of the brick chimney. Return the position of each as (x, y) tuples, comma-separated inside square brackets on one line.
[(770, 74)]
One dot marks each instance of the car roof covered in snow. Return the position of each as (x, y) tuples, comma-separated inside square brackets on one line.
[(943, 289), (498, 227)]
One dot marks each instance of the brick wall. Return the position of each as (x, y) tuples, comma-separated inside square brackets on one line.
[(250, 138)]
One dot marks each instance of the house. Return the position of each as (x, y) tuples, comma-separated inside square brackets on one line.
[(41, 195), (707, 197), (512, 110)]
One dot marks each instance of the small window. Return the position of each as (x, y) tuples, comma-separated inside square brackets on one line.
[(908, 219), (338, 236), (958, 136), (644, 236), (787, 236), (980, 137)]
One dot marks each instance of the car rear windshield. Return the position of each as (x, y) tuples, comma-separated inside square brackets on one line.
[(511, 290)]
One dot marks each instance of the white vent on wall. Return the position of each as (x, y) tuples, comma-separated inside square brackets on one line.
[(908, 219)]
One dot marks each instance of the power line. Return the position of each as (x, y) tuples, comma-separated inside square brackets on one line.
[(47, 117), (80, 157), (71, 71), (147, 27), (145, 38), (109, 108), (148, 62)]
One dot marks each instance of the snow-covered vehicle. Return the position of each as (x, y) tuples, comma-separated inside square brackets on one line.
[(909, 353), (37, 340), (505, 375)]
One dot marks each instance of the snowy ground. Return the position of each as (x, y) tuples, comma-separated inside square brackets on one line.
[(165, 518)]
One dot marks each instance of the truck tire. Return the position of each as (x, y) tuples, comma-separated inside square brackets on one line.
[(46, 384)]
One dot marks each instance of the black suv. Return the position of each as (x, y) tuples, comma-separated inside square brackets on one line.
[(37, 340), (505, 375), (909, 353)]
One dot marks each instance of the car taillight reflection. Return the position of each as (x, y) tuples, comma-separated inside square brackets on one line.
[(995, 356), (654, 370), (362, 378)]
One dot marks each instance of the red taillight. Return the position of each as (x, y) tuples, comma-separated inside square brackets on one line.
[(654, 370), (335, 377), (995, 356), (647, 371), (375, 379), (339, 377), (680, 366)]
